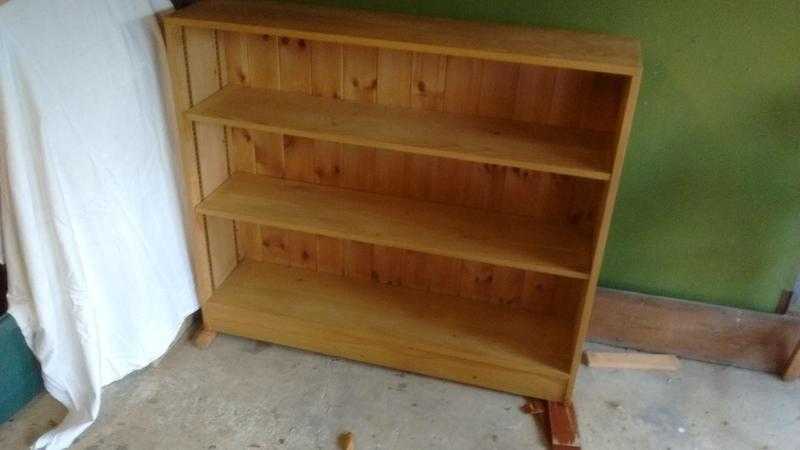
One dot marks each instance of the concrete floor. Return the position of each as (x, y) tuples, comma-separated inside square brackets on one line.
[(239, 394)]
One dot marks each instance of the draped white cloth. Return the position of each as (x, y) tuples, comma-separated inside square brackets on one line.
[(90, 212)]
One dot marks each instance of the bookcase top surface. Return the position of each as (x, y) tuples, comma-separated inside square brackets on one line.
[(500, 42)]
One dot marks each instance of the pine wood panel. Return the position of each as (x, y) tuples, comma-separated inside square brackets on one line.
[(241, 149), (567, 151), (359, 81), (393, 89), (294, 75), (558, 48), (198, 241), (211, 147), (426, 333), (326, 81), (515, 241), (584, 312)]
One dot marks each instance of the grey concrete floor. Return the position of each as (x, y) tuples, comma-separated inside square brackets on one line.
[(240, 394)]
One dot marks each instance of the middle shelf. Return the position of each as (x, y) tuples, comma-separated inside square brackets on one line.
[(472, 234)]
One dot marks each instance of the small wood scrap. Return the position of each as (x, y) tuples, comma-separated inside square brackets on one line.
[(204, 337), (346, 441), (792, 371), (533, 406), (785, 303), (558, 421), (635, 361), (563, 426)]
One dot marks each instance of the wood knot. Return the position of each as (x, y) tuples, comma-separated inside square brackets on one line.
[(301, 43), (285, 40), (421, 86)]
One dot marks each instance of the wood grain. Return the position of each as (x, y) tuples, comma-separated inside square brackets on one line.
[(548, 47), (792, 371), (629, 360), (712, 333), (211, 147), (514, 241), (491, 141), (198, 242), (564, 433), (603, 223), (425, 333)]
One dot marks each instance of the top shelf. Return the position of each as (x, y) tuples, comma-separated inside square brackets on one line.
[(547, 47), (579, 153)]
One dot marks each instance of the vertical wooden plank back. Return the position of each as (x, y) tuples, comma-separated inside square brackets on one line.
[(393, 89), (326, 81), (211, 144), (359, 83), (294, 63), (241, 150), (584, 310), (196, 233)]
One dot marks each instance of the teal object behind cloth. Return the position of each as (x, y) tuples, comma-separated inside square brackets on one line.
[(20, 375)]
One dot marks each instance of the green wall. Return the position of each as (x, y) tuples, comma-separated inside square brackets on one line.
[(709, 207)]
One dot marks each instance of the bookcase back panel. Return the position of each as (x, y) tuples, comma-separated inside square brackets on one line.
[(526, 290), (414, 80), (560, 97), (211, 149)]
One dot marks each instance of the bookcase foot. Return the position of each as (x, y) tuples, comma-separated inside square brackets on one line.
[(204, 337)]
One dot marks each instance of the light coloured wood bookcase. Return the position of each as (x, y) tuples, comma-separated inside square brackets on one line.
[(418, 193)]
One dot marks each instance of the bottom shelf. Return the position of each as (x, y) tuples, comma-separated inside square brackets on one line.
[(472, 342)]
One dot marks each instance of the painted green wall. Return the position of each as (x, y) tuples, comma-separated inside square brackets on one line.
[(709, 207)]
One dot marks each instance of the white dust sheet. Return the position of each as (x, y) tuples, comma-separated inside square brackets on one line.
[(91, 222)]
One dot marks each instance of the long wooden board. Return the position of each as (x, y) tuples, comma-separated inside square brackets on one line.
[(474, 234), (693, 330), (550, 47), (420, 332), (631, 360), (505, 142)]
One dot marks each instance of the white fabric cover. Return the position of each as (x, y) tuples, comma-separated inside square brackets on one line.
[(92, 234)]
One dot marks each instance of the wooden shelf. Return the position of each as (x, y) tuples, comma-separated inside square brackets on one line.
[(549, 47), (473, 234), (543, 148), (509, 350)]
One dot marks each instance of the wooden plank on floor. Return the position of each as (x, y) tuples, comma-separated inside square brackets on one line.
[(630, 360), (712, 333)]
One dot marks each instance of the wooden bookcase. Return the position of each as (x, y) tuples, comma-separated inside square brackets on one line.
[(418, 193)]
